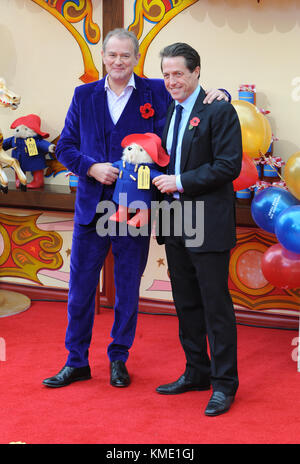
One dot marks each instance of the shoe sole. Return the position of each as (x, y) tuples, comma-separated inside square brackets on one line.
[(120, 385), (66, 384), (216, 413), (184, 391)]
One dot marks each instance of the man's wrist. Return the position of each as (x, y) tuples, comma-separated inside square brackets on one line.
[(89, 170), (179, 184)]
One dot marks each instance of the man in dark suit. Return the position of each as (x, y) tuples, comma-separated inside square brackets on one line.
[(101, 114), (206, 160)]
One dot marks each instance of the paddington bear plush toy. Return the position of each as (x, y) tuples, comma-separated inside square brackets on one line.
[(142, 157), (29, 147)]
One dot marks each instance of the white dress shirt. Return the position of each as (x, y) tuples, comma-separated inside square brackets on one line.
[(117, 103), (187, 105)]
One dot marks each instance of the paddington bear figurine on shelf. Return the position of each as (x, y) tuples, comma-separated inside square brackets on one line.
[(142, 157), (29, 148)]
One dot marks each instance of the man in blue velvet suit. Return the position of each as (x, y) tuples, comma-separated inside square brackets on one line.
[(101, 114), (207, 156)]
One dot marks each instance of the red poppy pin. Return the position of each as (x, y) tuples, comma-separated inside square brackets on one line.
[(194, 122), (147, 111)]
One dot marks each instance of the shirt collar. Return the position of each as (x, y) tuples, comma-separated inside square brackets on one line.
[(131, 83), (189, 102)]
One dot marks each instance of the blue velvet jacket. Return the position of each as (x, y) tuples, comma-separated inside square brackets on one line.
[(82, 141)]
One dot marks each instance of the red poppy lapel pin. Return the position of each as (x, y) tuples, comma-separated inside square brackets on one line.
[(194, 122), (147, 111)]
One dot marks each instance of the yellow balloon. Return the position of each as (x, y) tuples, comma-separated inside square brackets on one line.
[(292, 174), (253, 128), (268, 135)]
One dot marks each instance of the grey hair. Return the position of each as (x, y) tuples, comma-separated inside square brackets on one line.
[(122, 34)]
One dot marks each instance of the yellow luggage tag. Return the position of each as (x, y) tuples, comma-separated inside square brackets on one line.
[(143, 178), (31, 147)]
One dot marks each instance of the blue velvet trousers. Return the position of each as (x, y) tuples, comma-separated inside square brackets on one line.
[(88, 254)]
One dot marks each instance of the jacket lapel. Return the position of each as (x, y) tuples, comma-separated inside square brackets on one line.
[(167, 124), (98, 102), (144, 93), (189, 133)]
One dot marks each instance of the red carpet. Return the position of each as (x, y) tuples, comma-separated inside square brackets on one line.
[(266, 409)]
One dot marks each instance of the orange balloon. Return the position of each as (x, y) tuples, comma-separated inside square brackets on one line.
[(292, 174), (253, 128)]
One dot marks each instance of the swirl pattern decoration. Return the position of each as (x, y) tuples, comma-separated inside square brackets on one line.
[(70, 12), (25, 249), (158, 12)]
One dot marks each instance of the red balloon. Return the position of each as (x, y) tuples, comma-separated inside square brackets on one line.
[(281, 267), (248, 175)]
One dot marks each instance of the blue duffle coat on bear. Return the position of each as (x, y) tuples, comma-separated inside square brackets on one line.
[(20, 152)]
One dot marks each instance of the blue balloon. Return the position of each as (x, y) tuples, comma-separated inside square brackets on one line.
[(268, 204), (287, 228)]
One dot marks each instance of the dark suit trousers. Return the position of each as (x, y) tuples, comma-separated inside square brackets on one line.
[(205, 312)]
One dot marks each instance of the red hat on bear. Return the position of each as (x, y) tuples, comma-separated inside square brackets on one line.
[(33, 122), (151, 143)]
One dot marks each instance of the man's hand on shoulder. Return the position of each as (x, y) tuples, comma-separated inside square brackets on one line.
[(215, 94)]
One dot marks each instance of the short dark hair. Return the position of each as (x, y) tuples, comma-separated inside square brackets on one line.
[(191, 56)]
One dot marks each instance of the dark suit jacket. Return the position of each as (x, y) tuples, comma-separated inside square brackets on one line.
[(210, 160)]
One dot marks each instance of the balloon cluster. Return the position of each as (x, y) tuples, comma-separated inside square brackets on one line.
[(256, 139), (274, 209)]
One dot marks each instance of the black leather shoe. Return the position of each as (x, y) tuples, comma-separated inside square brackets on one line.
[(181, 385), (68, 375), (218, 404), (119, 376)]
